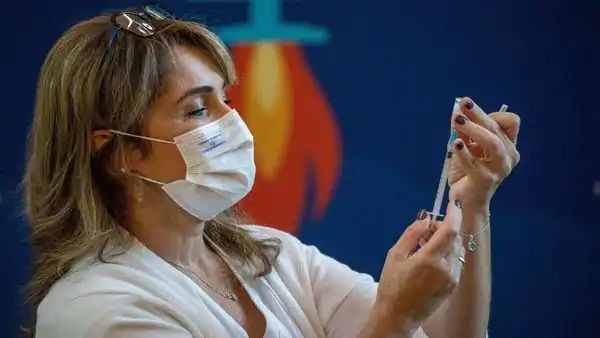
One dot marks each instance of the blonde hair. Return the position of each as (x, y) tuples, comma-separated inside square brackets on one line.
[(75, 200)]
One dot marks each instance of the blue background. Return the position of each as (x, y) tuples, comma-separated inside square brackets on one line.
[(391, 70)]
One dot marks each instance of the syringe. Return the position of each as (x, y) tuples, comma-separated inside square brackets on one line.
[(439, 196)]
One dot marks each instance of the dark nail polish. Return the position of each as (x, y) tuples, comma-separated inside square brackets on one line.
[(460, 145), (460, 120), (422, 214), (458, 203), (469, 104)]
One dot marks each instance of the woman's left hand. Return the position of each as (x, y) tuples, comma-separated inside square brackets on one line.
[(484, 153)]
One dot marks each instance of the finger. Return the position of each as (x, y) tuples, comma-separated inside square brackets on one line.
[(409, 240), (453, 215), (456, 249), (491, 144), (463, 155), (453, 259), (460, 134), (442, 239), (455, 263), (472, 146), (509, 123), (427, 235), (454, 252), (477, 115), (475, 150)]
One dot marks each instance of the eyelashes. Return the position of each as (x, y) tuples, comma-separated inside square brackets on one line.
[(201, 111)]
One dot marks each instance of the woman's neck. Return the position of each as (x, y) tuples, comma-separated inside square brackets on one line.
[(170, 232)]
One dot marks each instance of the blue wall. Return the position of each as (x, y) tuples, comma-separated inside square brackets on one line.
[(391, 70)]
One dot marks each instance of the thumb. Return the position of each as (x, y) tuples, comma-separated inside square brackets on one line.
[(509, 123), (446, 232), (407, 243)]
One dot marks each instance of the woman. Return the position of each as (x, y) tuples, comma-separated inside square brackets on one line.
[(136, 163)]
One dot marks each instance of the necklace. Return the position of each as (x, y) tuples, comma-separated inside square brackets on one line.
[(229, 295)]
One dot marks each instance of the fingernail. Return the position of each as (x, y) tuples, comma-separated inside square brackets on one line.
[(458, 203), (469, 104), (460, 145), (460, 120), (422, 214)]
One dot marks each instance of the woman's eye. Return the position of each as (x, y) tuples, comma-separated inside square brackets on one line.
[(198, 112)]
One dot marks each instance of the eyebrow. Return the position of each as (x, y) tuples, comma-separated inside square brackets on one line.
[(196, 91)]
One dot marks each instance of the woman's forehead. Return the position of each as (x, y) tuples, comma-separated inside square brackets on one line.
[(192, 69)]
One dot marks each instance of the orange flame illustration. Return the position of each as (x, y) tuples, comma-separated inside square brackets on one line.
[(296, 135)]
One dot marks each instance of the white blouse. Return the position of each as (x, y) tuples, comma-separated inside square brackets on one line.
[(138, 294)]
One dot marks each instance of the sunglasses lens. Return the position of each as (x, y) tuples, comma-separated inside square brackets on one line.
[(134, 24), (158, 13)]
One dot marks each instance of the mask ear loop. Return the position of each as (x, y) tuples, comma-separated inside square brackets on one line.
[(140, 136), (127, 172)]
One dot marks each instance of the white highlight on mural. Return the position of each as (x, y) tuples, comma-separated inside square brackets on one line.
[(596, 187)]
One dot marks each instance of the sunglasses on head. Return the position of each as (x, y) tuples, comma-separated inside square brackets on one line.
[(139, 22)]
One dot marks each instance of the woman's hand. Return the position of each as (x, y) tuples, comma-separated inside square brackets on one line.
[(484, 153), (414, 283)]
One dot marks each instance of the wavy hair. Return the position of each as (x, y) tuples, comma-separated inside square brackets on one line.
[(75, 199)]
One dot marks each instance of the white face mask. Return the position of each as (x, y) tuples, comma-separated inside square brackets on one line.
[(219, 158)]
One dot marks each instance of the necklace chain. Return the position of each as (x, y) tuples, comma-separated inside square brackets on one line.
[(229, 295)]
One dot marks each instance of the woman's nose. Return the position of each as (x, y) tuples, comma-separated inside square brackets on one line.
[(220, 107)]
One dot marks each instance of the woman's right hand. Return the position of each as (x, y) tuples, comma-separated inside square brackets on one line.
[(413, 284)]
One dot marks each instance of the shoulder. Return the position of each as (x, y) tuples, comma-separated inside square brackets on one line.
[(96, 298), (106, 315), (90, 276)]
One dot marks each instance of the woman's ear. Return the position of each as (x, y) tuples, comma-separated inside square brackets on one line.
[(99, 139)]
